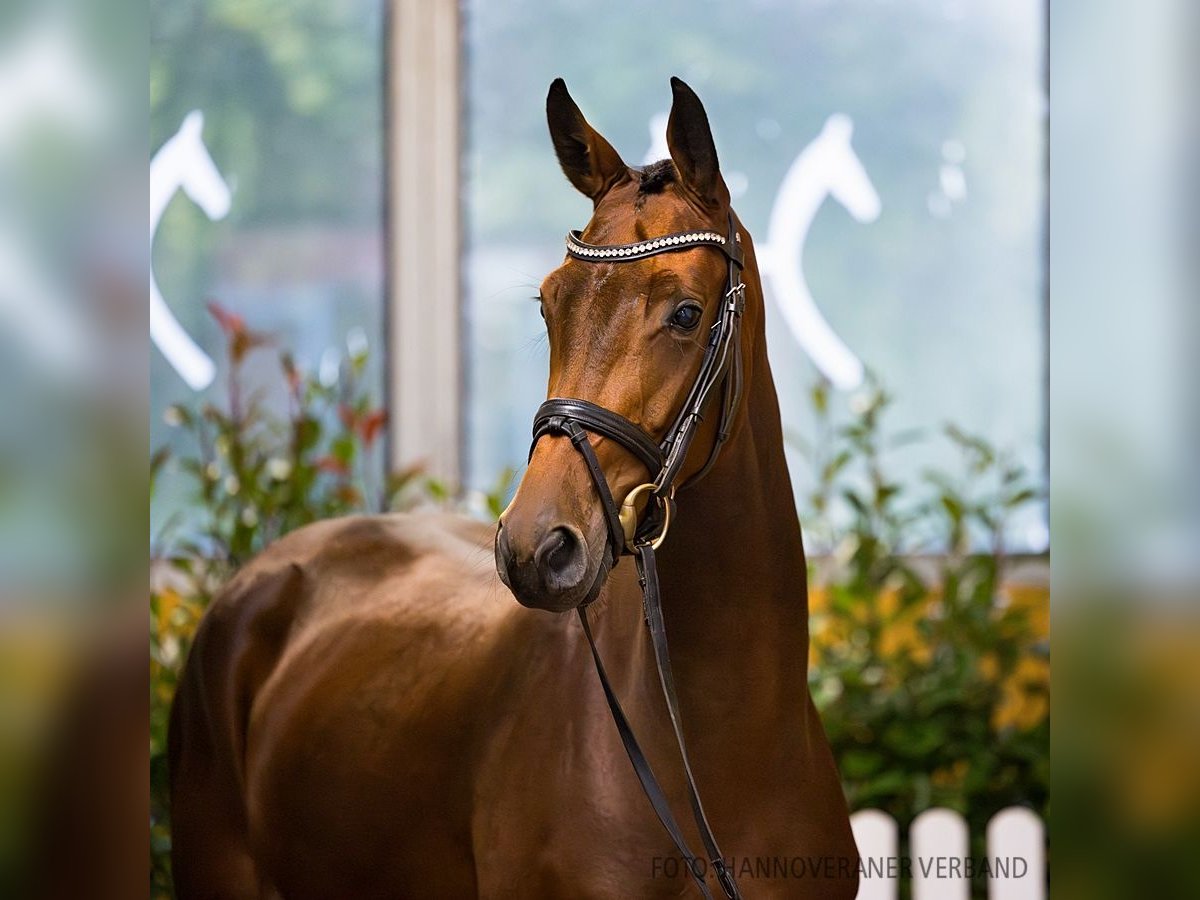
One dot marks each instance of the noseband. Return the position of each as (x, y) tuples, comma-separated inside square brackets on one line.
[(721, 367)]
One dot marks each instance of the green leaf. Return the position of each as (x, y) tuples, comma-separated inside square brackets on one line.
[(953, 507), (836, 465), (885, 492), (1019, 498), (859, 764), (343, 448), (820, 397), (860, 505), (157, 461)]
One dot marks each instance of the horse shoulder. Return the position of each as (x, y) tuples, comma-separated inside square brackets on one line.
[(359, 740), (342, 599)]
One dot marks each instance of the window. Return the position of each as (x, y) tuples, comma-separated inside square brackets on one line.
[(267, 142), (888, 159)]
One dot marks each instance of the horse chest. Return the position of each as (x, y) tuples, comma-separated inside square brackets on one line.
[(561, 814)]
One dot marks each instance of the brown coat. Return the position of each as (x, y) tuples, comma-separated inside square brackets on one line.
[(366, 711)]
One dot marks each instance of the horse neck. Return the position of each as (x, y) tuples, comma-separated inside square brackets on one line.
[(733, 574), (736, 540)]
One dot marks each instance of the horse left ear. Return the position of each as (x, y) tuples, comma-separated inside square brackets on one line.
[(690, 140)]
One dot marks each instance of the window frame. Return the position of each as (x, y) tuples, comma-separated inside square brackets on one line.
[(423, 289)]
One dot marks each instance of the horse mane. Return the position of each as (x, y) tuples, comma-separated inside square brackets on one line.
[(654, 178)]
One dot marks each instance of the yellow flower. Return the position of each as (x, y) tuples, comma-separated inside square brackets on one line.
[(168, 601), (898, 637), (989, 666), (951, 776), (1033, 602), (1024, 696), (818, 599), (888, 603)]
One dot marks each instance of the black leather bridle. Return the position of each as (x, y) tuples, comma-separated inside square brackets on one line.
[(721, 370)]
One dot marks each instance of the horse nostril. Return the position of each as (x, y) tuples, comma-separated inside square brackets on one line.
[(505, 562), (561, 559)]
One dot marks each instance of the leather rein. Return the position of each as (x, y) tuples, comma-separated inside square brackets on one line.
[(577, 419)]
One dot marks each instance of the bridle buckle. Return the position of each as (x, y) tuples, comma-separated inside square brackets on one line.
[(629, 517), (737, 298)]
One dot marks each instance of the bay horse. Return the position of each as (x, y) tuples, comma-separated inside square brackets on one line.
[(366, 713)]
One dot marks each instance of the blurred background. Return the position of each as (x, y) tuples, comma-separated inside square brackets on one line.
[(350, 205), (369, 189), (890, 160)]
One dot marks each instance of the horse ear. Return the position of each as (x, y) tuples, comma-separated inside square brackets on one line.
[(690, 140), (587, 159)]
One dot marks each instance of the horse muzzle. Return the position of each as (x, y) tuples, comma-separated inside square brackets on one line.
[(550, 568)]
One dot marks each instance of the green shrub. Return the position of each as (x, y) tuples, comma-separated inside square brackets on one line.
[(930, 669), (255, 475)]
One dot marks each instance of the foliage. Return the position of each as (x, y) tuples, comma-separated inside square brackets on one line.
[(292, 93), (930, 671), (257, 475)]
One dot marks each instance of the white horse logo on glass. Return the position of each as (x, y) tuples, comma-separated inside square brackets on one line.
[(183, 162), (827, 167)]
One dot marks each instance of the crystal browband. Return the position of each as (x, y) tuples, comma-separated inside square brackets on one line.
[(576, 246)]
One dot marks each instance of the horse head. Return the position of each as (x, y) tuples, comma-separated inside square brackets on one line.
[(627, 336)]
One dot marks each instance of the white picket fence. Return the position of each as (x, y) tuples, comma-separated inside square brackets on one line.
[(939, 860)]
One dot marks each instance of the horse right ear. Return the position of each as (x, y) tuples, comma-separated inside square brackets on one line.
[(587, 159), (690, 140)]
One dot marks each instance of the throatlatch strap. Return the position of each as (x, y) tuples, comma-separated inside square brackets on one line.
[(641, 765)]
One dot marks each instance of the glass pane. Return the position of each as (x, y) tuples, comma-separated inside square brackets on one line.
[(888, 159), (267, 144)]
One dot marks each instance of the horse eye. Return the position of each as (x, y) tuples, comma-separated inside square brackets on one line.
[(686, 317)]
